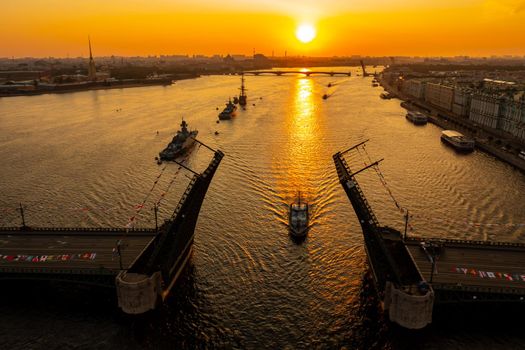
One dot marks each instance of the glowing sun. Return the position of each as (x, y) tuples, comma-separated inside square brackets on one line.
[(305, 33)]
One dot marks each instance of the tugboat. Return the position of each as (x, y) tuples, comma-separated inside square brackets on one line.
[(298, 219), (242, 96), (228, 111), (457, 140), (183, 140)]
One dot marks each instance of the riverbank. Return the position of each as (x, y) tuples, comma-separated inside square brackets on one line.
[(103, 85), (493, 142)]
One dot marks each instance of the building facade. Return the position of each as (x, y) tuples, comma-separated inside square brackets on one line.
[(485, 110), (439, 95)]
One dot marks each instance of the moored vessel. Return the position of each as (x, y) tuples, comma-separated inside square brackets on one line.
[(228, 112), (242, 97), (183, 140), (457, 140), (417, 118), (298, 218)]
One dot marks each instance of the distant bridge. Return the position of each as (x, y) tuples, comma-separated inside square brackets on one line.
[(307, 73)]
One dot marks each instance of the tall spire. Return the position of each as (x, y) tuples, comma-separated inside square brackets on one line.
[(90, 54), (92, 71)]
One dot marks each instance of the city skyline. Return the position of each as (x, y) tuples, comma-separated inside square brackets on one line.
[(160, 27)]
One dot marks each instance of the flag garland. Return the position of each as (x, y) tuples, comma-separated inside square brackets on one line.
[(44, 258)]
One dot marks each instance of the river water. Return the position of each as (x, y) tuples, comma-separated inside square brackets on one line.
[(87, 159)]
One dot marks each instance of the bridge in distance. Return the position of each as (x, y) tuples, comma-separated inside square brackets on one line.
[(295, 72)]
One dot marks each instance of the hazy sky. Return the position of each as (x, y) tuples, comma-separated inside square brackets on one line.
[(345, 27)]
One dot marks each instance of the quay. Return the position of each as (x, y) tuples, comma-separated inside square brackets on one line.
[(142, 265), (414, 275), (40, 89), (484, 137)]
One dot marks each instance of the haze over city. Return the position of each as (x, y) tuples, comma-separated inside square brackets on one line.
[(59, 28)]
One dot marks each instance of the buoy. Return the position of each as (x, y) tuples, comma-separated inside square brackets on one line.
[(217, 122), (254, 104), (217, 108)]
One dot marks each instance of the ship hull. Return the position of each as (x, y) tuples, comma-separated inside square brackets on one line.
[(170, 154), (458, 147)]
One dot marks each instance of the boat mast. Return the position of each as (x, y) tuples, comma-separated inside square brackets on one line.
[(242, 85)]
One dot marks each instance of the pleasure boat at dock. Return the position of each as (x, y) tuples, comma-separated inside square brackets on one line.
[(417, 118), (181, 142), (229, 111), (298, 218), (457, 140)]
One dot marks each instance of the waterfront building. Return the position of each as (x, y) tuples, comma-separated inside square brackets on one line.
[(439, 95), (461, 103), (414, 88), (493, 84), (485, 110), (513, 118)]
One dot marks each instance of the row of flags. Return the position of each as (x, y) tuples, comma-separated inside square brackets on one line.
[(44, 258), (515, 277)]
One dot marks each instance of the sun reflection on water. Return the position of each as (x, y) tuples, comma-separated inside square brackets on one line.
[(302, 133)]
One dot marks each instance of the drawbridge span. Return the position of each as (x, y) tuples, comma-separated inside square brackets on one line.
[(141, 264), (414, 275)]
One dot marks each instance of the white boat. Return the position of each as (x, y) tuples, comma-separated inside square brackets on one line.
[(298, 218), (417, 118), (457, 140)]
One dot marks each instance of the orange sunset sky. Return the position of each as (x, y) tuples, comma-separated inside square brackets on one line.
[(344, 27)]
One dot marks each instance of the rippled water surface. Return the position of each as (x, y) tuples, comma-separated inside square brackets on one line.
[(87, 159)]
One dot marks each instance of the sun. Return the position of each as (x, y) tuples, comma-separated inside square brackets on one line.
[(305, 33)]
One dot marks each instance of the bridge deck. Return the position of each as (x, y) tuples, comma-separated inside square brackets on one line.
[(474, 266), (69, 251)]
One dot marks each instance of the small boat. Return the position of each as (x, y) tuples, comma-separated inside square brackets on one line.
[(457, 140), (216, 133), (417, 118), (385, 96), (325, 96), (375, 84), (298, 219), (329, 85), (228, 112), (181, 142)]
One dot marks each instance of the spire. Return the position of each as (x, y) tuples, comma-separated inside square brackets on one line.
[(90, 54), (92, 70)]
